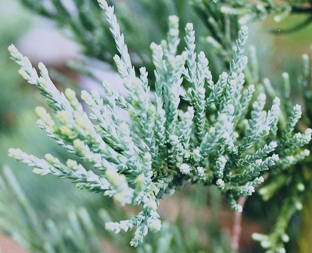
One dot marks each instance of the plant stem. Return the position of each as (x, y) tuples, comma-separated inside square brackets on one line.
[(237, 226)]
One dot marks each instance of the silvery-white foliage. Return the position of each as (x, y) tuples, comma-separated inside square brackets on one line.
[(161, 147)]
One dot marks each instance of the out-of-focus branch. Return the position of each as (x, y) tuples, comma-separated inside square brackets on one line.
[(304, 8)]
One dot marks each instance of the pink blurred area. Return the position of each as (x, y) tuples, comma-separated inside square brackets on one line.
[(9, 246)]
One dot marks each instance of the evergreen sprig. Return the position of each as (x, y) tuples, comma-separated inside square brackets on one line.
[(160, 147), (290, 176)]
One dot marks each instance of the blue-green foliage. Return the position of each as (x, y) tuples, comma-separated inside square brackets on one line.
[(159, 147)]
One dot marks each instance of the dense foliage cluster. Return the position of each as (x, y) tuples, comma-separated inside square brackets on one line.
[(143, 146), (193, 126)]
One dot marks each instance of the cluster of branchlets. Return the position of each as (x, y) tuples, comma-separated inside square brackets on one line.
[(159, 147), (291, 174), (84, 23)]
